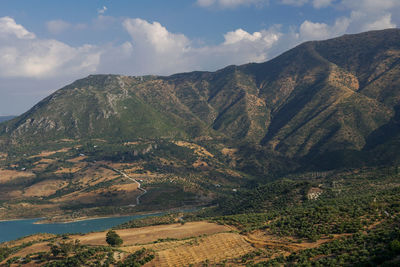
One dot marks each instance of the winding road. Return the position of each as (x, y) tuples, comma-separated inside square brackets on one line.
[(144, 191)]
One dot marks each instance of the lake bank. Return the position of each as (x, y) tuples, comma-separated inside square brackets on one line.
[(14, 229)]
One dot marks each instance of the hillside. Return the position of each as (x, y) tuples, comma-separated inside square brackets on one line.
[(193, 138), (353, 221), (333, 95)]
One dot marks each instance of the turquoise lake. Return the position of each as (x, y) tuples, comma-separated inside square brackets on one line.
[(10, 230)]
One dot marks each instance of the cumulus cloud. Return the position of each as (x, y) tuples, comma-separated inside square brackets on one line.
[(382, 23), (152, 49), (155, 36), (230, 3), (370, 14), (156, 50), (364, 15), (370, 6), (318, 31), (10, 29), (22, 54)]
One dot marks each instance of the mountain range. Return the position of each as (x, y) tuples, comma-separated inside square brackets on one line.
[(335, 98)]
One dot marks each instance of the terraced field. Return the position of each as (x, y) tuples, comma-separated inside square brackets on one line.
[(214, 249), (192, 243)]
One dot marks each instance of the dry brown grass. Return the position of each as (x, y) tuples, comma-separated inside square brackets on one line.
[(131, 143), (200, 164), (152, 233), (125, 187), (43, 164), (49, 153), (68, 170), (32, 238), (214, 248), (8, 175), (199, 150), (44, 188), (77, 159)]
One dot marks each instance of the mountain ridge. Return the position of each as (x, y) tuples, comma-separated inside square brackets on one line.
[(318, 97)]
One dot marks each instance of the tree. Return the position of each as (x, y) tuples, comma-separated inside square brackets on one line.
[(55, 250), (113, 239)]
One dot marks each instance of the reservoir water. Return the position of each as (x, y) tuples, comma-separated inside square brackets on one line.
[(10, 230)]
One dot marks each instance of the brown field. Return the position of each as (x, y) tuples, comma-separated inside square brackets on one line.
[(125, 187), (77, 159), (152, 233), (131, 143), (27, 239), (199, 150), (49, 153), (74, 169), (45, 188), (35, 248), (229, 151), (192, 243), (214, 248), (8, 175), (42, 164)]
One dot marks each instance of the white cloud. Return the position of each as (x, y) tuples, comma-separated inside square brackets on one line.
[(230, 3), (57, 26), (102, 10), (22, 54), (318, 31), (382, 23), (370, 6), (9, 28), (314, 31), (155, 50), (371, 14), (364, 15), (240, 35), (154, 35)]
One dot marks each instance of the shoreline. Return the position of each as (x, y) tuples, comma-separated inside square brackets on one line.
[(81, 219), (20, 219), (44, 220)]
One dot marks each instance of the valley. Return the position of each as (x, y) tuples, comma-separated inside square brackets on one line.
[(290, 162), (78, 181)]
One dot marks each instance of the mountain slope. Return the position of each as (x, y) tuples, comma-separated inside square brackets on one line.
[(318, 97)]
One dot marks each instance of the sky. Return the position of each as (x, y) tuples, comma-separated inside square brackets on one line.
[(47, 44)]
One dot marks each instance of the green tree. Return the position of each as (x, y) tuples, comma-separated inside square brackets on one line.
[(113, 239), (395, 246)]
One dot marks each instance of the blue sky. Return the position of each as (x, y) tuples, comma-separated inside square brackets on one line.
[(46, 44)]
